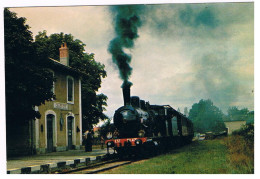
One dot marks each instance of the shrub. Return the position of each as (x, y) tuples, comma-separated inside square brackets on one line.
[(241, 149), (247, 131)]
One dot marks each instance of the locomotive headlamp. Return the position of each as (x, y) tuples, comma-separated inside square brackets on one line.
[(141, 133), (110, 144), (109, 135), (138, 142)]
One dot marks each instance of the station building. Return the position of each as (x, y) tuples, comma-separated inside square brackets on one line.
[(60, 125), (234, 125)]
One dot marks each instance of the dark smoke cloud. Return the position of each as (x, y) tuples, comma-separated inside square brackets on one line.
[(126, 22), (214, 76), (209, 36), (206, 17), (208, 33)]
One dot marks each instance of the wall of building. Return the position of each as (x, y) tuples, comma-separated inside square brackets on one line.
[(234, 125), (61, 109)]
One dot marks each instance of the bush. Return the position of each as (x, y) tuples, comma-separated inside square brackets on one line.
[(247, 131), (241, 149)]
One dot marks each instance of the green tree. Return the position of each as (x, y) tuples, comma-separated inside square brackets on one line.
[(28, 83), (206, 117), (107, 127), (93, 104), (234, 114), (186, 113)]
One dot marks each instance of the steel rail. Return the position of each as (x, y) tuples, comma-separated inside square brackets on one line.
[(103, 168), (89, 166)]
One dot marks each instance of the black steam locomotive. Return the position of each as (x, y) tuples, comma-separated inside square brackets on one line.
[(142, 128)]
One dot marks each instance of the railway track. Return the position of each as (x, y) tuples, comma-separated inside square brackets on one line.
[(102, 168), (98, 167)]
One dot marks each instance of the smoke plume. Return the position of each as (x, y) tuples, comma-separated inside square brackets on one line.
[(126, 23)]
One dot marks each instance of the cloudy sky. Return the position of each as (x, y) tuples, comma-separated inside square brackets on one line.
[(184, 52)]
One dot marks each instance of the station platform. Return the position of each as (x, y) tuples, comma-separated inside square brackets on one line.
[(43, 163)]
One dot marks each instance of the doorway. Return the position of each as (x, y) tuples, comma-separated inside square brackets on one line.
[(70, 132), (50, 119)]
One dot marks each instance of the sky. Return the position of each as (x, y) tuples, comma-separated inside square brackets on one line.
[(183, 52)]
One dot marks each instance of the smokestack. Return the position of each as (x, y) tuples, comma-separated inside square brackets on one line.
[(64, 54), (126, 94)]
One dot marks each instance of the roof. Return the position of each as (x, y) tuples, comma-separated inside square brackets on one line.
[(234, 121), (167, 107), (59, 66)]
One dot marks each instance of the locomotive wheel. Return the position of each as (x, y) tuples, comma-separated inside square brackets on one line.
[(149, 149), (122, 156), (121, 153), (139, 152), (124, 153)]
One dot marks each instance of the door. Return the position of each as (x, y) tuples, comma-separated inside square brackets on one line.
[(50, 119), (70, 122)]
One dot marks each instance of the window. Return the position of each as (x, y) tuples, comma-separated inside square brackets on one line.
[(53, 87), (70, 90)]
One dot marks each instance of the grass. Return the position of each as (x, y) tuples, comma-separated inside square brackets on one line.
[(200, 157)]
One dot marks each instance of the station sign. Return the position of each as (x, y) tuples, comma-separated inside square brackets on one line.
[(62, 106)]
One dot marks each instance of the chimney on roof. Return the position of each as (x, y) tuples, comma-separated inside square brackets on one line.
[(64, 54)]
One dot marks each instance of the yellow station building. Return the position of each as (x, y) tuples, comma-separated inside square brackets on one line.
[(60, 125)]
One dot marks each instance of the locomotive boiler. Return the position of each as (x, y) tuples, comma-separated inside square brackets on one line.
[(144, 128)]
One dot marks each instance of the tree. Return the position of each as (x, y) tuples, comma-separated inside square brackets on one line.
[(234, 114), (206, 117), (93, 104), (28, 82), (107, 127), (186, 113)]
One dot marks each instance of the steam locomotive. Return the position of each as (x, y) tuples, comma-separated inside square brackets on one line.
[(143, 129)]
